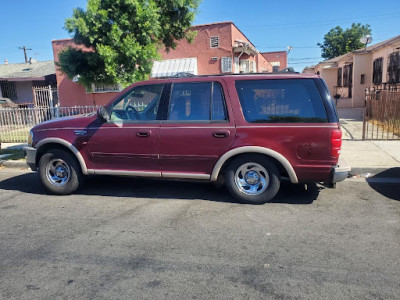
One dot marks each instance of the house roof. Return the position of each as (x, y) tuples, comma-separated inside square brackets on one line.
[(360, 51), (223, 23), (379, 45), (25, 71)]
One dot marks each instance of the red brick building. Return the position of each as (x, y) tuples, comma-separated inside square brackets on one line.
[(277, 59), (217, 49)]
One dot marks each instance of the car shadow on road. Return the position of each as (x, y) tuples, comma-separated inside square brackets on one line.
[(111, 186), (384, 184)]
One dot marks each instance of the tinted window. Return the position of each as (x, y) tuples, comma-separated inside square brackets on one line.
[(202, 101), (281, 101), (141, 103)]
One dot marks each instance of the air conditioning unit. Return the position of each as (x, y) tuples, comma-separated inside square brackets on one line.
[(214, 58)]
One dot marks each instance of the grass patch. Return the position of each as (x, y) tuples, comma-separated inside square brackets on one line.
[(15, 136), (15, 154)]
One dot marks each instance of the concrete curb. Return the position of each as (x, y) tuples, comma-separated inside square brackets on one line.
[(380, 171), (13, 164)]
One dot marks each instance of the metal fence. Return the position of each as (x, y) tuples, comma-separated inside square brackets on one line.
[(382, 115), (15, 123)]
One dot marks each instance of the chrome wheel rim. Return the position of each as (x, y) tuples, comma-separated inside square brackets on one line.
[(251, 179), (58, 172)]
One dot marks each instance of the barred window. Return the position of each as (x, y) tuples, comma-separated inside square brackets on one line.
[(377, 70), (245, 66), (105, 87), (339, 77), (8, 89), (348, 75), (394, 67), (226, 64)]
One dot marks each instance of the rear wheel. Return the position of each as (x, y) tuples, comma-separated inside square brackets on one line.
[(253, 179), (60, 172)]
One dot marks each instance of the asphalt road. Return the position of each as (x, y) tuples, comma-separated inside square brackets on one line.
[(122, 238)]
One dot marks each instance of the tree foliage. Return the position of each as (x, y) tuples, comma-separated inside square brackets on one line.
[(338, 41), (123, 38)]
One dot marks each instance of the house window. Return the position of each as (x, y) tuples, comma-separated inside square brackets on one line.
[(253, 68), (348, 75), (8, 89), (339, 77), (362, 79), (377, 70), (275, 66), (394, 67), (214, 41), (244, 66), (104, 88), (226, 64)]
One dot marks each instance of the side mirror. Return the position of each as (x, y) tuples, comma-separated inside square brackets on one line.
[(102, 114)]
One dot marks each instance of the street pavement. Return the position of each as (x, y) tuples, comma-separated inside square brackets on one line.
[(124, 238)]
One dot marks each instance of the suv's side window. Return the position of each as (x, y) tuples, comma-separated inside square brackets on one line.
[(281, 101), (139, 104), (200, 101)]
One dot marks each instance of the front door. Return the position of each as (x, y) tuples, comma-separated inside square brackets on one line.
[(197, 132), (129, 141)]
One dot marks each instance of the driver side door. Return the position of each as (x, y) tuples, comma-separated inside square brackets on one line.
[(128, 143)]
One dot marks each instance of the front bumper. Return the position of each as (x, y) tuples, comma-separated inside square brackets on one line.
[(31, 157), (340, 171)]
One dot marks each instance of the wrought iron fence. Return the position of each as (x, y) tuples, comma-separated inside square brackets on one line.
[(382, 115), (15, 123)]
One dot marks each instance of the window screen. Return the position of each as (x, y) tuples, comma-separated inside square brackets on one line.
[(281, 101)]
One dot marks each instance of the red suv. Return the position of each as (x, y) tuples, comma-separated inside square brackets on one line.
[(252, 131)]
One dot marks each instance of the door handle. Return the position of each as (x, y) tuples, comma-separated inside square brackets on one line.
[(221, 133), (143, 133)]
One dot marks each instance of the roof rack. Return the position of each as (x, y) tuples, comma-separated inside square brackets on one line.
[(184, 74)]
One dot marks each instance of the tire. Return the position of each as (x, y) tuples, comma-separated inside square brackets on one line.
[(253, 179), (59, 172)]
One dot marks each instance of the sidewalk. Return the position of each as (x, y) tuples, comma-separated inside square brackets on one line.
[(365, 156)]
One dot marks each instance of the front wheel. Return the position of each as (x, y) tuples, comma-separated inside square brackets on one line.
[(253, 179), (60, 172)]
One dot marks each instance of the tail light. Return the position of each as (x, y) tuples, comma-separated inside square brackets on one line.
[(336, 142)]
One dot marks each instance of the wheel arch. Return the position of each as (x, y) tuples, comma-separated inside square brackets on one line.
[(228, 156), (56, 143)]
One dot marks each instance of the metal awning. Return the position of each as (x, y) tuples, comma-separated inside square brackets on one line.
[(173, 67)]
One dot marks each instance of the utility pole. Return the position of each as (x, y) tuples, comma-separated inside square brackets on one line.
[(24, 48)]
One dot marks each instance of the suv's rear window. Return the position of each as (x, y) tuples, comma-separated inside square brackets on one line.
[(281, 101)]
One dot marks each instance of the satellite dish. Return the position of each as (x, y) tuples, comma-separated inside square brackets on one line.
[(365, 40)]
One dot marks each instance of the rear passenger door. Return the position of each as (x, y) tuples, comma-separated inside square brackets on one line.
[(198, 130)]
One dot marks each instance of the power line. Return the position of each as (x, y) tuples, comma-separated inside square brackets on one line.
[(324, 22)]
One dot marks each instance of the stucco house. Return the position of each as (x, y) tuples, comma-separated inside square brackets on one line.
[(350, 74), (218, 48), (17, 80)]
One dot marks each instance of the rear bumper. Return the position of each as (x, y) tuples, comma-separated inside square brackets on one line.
[(31, 157), (340, 171)]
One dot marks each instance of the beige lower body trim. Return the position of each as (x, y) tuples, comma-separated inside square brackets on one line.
[(125, 173), (186, 176), (150, 174)]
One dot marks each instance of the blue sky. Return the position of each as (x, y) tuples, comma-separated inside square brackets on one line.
[(270, 25)]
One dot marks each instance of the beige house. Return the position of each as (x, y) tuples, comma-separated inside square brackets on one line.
[(350, 74)]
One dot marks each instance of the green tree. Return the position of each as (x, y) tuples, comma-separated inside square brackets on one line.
[(338, 41), (124, 37)]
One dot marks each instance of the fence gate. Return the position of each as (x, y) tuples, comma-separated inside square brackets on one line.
[(382, 114), (45, 96)]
